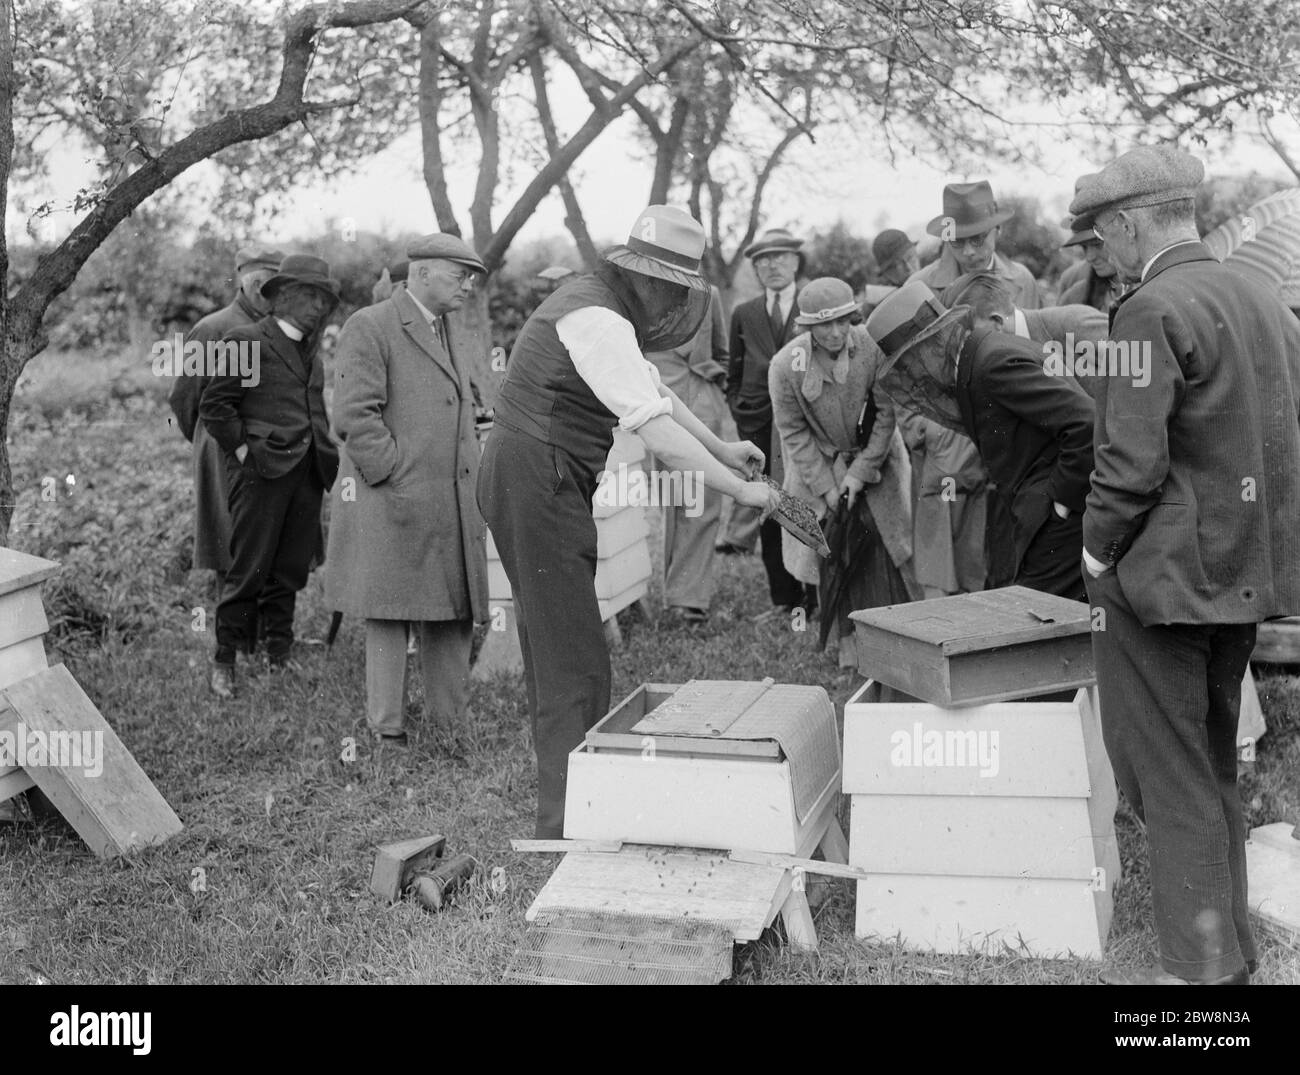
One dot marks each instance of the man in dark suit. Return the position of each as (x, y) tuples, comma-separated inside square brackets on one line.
[(759, 328), (1192, 536), (1033, 430), (279, 460), (254, 265)]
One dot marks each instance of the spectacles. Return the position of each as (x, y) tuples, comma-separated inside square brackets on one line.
[(972, 241), (460, 277), (1096, 228)]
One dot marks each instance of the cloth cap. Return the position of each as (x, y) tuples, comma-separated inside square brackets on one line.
[(555, 272), (665, 242), (1147, 175), (446, 247), (825, 300), (257, 256)]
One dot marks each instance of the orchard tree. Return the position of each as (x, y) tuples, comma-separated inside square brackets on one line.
[(33, 60)]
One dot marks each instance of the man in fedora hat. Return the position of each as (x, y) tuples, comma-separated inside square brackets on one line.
[(1033, 430), (1191, 538), (759, 328), (578, 369), (254, 265), (279, 462), (407, 543), (968, 227)]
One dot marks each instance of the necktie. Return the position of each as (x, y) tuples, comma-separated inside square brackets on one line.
[(778, 322), (436, 325)]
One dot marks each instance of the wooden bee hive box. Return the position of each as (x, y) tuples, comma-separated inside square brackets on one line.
[(22, 636), (979, 647), (711, 764), (982, 824)]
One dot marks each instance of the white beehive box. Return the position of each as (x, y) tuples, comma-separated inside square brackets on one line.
[(711, 764), (982, 826), (22, 636), (622, 550)]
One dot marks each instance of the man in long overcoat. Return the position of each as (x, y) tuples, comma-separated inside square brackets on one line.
[(254, 265), (407, 542), (1191, 538)]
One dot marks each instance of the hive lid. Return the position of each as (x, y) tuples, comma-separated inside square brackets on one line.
[(982, 621), (19, 570), (800, 718)]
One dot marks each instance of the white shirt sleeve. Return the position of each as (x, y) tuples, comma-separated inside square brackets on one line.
[(605, 354)]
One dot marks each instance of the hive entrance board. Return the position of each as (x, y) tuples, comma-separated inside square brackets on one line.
[(981, 647), (589, 948), (106, 797)]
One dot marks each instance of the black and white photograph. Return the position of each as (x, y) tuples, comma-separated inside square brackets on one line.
[(672, 492)]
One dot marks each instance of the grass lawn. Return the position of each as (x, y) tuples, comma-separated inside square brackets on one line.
[(269, 880)]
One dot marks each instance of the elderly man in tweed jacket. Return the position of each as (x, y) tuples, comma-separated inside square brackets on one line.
[(1191, 537)]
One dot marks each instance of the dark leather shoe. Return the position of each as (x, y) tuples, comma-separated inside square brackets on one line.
[(391, 739), (223, 681), (1157, 975)]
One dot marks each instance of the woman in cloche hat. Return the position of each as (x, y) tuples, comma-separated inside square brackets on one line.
[(843, 454), (577, 370)]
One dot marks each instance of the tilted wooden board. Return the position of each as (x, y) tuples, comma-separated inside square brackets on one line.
[(113, 810)]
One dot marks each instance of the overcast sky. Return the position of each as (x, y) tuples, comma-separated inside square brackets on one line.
[(840, 177)]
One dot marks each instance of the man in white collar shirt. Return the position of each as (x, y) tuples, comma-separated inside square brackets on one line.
[(279, 460), (1191, 537), (578, 369), (407, 542), (759, 328)]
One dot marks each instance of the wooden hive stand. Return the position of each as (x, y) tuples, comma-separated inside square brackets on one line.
[(623, 570), (82, 766)]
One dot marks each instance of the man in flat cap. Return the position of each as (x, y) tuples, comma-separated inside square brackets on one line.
[(968, 227), (407, 542), (279, 461), (1191, 537), (1033, 430), (578, 369), (392, 279), (1092, 281), (896, 260), (759, 328), (254, 265)]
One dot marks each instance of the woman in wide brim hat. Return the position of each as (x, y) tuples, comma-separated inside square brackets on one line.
[(843, 454), (577, 369)]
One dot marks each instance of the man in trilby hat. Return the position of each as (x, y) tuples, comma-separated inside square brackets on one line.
[(759, 328), (578, 369), (407, 542), (254, 265), (968, 227), (1191, 538), (279, 462)]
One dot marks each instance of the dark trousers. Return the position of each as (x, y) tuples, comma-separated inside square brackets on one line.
[(782, 586), (1053, 563), (275, 531), (537, 503), (1170, 698)]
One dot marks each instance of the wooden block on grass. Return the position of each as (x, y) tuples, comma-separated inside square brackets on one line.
[(106, 797)]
